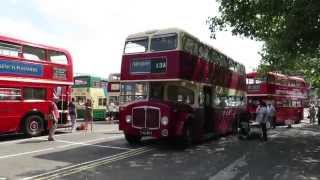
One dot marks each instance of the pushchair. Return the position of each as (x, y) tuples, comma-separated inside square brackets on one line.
[(248, 128)]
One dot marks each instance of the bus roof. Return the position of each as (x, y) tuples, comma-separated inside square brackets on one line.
[(158, 32), (22, 42), (275, 74), (179, 32)]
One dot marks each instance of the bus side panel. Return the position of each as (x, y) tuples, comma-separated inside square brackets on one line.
[(10, 115)]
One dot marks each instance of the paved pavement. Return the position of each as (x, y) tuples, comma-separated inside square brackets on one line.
[(104, 154)]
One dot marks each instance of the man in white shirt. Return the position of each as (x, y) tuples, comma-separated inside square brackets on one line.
[(271, 114), (261, 118)]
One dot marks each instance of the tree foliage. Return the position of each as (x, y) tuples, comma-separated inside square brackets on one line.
[(289, 28)]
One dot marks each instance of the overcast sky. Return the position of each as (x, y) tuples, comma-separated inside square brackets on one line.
[(94, 30)]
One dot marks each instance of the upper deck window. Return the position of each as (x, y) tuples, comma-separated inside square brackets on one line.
[(57, 57), (136, 46), (164, 42), (7, 49), (190, 45), (204, 52), (33, 53)]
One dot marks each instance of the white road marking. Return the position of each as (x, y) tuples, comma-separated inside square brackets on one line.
[(230, 171), (90, 164), (57, 135), (274, 135), (93, 145), (25, 153), (85, 143)]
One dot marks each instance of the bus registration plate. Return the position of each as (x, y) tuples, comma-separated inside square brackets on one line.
[(145, 132)]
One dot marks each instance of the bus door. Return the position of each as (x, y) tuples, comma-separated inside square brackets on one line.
[(208, 111), (63, 95)]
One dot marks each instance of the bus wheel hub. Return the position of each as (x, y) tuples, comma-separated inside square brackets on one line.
[(34, 125)]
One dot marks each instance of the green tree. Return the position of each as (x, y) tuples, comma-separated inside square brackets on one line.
[(289, 28)]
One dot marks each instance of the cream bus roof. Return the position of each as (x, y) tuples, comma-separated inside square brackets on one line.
[(168, 31), (178, 31), (158, 32)]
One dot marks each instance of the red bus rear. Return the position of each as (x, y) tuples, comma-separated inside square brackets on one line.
[(174, 86), (287, 94), (31, 76)]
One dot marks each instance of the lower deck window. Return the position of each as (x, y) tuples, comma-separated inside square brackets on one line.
[(180, 94), (102, 102), (34, 94), (10, 94), (81, 100)]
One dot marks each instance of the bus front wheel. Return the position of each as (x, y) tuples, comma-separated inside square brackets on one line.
[(132, 139), (33, 125)]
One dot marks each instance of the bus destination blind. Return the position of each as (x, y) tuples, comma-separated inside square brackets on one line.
[(155, 65)]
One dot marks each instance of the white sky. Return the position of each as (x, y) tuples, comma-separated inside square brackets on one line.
[(94, 30)]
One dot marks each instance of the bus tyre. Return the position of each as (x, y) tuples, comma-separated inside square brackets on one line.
[(33, 125), (132, 139)]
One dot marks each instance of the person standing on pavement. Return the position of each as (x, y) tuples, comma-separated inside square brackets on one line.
[(72, 113), (312, 113), (88, 114), (271, 114), (53, 117), (261, 118)]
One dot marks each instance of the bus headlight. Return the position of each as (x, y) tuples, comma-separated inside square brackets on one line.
[(128, 119), (164, 120)]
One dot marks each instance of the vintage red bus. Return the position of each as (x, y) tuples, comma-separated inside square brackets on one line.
[(287, 94), (31, 77), (174, 86)]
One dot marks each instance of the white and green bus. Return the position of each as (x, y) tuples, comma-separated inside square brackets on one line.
[(94, 88)]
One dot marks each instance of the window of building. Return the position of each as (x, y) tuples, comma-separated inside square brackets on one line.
[(10, 94), (136, 46), (57, 57), (164, 42), (33, 53), (34, 94), (7, 49), (180, 94)]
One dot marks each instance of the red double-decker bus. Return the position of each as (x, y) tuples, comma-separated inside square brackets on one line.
[(287, 94), (31, 77), (174, 86)]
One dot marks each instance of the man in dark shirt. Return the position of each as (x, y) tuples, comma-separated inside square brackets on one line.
[(72, 113)]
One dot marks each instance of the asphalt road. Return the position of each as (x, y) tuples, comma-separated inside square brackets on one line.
[(104, 154)]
